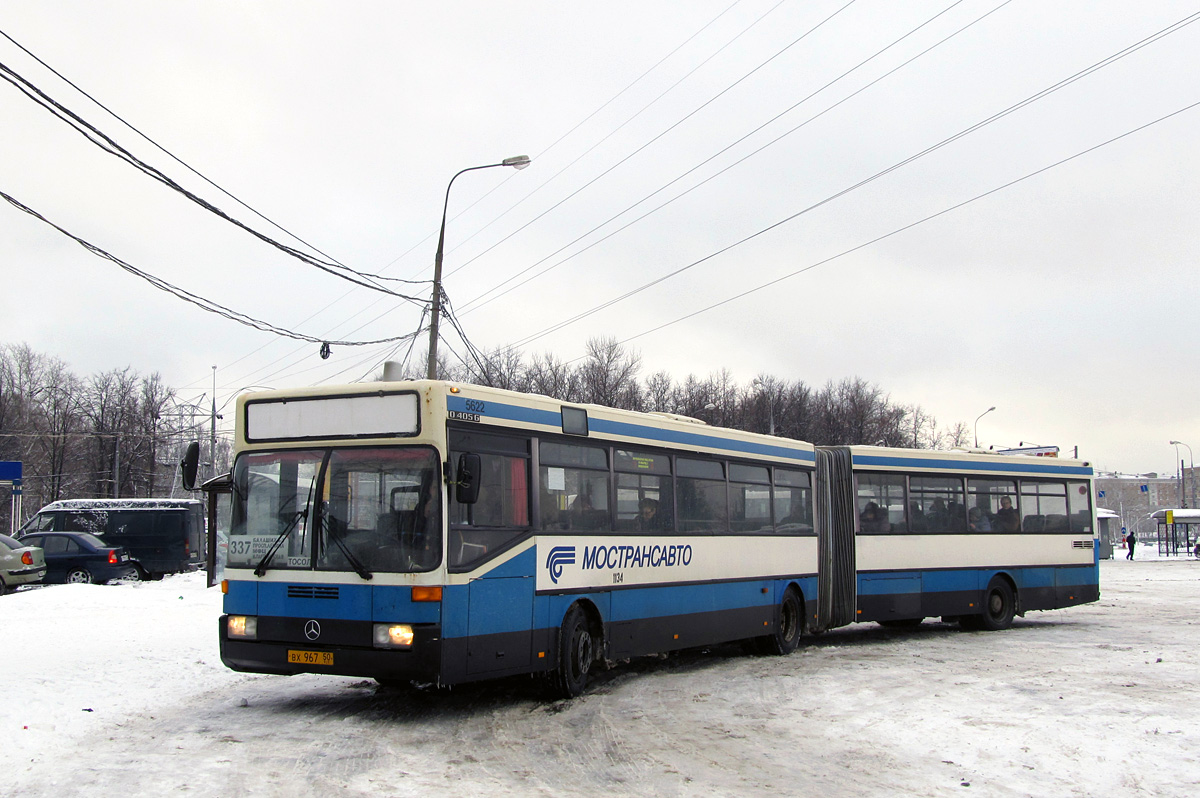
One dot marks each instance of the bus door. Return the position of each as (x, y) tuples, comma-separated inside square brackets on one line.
[(500, 618), (489, 516)]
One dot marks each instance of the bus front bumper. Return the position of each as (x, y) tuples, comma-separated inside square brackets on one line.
[(347, 652)]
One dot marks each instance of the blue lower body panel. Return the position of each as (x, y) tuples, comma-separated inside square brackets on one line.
[(903, 595)]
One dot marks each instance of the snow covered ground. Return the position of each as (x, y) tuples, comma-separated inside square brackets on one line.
[(118, 690)]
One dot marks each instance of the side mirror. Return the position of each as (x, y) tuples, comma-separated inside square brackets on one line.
[(190, 464), (466, 487)]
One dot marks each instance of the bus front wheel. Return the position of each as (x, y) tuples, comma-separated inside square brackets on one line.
[(576, 653)]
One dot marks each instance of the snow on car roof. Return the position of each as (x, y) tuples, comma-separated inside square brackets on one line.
[(120, 504)]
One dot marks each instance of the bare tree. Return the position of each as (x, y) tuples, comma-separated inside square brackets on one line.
[(110, 402), (58, 426), (550, 376), (501, 368), (609, 375), (660, 393)]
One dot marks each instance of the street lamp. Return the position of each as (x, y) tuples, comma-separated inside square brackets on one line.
[(981, 415), (516, 162), (1192, 468)]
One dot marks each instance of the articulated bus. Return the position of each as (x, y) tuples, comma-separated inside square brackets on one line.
[(440, 532)]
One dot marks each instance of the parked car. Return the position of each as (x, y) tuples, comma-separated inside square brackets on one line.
[(20, 564), (77, 557), (163, 536)]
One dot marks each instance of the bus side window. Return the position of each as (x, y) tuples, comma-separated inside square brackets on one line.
[(749, 498), (703, 502), (1080, 498), (792, 498), (574, 487), (881, 506), (936, 504)]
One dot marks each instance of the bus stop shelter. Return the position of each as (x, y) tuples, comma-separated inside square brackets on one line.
[(1178, 532)]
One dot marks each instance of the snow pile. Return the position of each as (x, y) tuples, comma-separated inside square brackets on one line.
[(80, 657)]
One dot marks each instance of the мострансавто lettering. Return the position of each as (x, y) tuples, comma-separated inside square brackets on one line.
[(614, 557)]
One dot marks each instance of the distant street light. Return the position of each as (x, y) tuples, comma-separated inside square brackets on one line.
[(1191, 467), (516, 162), (981, 415)]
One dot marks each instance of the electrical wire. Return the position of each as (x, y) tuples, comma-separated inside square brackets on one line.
[(479, 301), (420, 329), (1155, 37), (674, 125), (559, 140), (605, 138), (107, 144), (479, 358), (195, 299), (911, 225), (170, 154)]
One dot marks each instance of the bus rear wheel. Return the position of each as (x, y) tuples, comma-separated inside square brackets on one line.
[(576, 653), (999, 607)]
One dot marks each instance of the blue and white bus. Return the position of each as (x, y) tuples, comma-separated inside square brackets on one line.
[(449, 533)]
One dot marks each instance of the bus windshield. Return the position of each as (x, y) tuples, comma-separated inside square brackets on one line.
[(363, 510)]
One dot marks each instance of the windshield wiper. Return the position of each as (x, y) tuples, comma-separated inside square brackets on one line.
[(261, 568), (354, 563)]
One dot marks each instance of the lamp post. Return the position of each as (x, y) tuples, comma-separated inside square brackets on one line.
[(516, 162), (981, 415), (1191, 467)]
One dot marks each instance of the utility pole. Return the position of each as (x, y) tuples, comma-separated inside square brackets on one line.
[(212, 441)]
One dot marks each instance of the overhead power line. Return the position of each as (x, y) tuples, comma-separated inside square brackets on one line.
[(909, 226), (484, 298), (1170, 29), (543, 152), (612, 133), (674, 125), (107, 144), (165, 151), (195, 299), (540, 155)]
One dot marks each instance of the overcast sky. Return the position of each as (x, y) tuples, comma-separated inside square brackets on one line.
[(1065, 300)]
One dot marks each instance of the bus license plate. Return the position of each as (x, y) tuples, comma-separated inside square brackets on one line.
[(311, 657)]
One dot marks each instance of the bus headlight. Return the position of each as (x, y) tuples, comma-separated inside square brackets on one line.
[(393, 635), (243, 626)]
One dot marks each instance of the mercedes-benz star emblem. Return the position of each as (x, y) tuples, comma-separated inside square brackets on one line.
[(312, 630)]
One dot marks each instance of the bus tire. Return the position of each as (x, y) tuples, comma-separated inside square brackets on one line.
[(789, 625), (576, 653), (999, 606)]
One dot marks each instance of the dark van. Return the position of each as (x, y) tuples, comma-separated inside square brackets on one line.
[(164, 536)]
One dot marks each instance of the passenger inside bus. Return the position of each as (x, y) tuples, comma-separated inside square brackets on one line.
[(1006, 519), (648, 519), (873, 519), (977, 521)]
